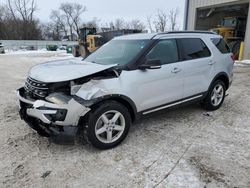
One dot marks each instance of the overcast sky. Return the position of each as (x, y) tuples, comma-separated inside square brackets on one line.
[(108, 10)]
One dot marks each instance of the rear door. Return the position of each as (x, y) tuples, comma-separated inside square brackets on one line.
[(198, 65)]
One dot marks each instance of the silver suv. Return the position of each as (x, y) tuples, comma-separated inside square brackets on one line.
[(126, 78)]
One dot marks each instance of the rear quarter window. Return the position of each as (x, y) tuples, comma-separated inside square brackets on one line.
[(221, 45), (193, 48)]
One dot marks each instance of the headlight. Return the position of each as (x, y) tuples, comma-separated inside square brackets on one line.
[(58, 98)]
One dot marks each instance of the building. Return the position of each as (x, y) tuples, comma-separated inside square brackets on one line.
[(207, 14)]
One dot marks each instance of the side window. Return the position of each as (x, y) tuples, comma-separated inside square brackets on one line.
[(221, 45), (194, 48), (164, 50)]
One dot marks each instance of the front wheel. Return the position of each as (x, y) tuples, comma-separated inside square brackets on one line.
[(215, 96), (107, 125), (75, 51)]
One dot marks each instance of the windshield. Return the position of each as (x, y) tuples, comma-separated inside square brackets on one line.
[(117, 52), (229, 22)]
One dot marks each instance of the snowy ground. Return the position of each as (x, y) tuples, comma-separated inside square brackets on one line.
[(243, 62), (184, 147)]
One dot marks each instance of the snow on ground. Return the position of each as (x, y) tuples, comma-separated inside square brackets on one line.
[(184, 147), (246, 62), (242, 63), (38, 53)]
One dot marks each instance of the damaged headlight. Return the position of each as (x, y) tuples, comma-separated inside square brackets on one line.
[(58, 98)]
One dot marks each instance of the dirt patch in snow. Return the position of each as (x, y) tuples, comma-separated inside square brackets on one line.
[(207, 174)]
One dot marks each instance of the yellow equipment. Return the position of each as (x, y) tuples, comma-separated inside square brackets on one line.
[(88, 42), (232, 29)]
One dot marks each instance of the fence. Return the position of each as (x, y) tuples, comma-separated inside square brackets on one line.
[(13, 45)]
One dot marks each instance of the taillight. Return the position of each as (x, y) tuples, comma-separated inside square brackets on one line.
[(233, 57)]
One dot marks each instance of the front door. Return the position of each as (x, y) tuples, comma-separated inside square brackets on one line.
[(156, 87)]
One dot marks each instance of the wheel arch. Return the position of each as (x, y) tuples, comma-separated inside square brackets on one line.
[(223, 77), (124, 100)]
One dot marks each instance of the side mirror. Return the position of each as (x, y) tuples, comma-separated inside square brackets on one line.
[(151, 64)]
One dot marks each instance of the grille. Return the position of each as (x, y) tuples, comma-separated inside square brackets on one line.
[(36, 89)]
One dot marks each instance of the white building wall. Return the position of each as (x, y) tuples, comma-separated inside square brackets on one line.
[(246, 53), (191, 17)]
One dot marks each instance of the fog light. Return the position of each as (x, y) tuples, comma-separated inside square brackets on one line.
[(58, 98), (59, 116)]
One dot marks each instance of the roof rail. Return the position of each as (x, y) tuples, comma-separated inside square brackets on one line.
[(177, 32)]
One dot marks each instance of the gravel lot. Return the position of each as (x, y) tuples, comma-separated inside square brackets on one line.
[(184, 147)]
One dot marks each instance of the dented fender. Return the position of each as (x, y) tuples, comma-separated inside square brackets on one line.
[(98, 88)]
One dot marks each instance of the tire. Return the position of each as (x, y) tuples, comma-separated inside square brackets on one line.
[(82, 51), (235, 48), (213, 100), (101, 131), (75, 51)]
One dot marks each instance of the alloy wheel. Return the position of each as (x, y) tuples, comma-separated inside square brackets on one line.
[(110, 126), (217, 95)]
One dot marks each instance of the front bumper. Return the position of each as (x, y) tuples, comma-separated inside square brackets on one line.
[(49, 118)]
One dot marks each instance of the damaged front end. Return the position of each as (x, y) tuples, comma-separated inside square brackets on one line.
[(50, 108), (50, 118)]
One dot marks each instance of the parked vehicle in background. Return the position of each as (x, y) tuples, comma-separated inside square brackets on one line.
[(1, 49), (128, 77), (69, 49), (63, 47), (88, 42), (51, 47), (28, 47)]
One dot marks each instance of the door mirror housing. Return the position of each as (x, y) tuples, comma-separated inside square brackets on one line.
[(151, 64)]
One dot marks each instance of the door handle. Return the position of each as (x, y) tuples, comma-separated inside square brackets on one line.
[(176, 70), (211, 62)]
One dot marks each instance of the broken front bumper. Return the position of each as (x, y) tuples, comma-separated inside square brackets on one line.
[(48, 118)]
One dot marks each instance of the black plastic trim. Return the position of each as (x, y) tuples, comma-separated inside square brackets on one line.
[(184, 103), (117, 97), (217, 76)]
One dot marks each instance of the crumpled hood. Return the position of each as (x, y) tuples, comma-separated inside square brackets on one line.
[(65, 70)]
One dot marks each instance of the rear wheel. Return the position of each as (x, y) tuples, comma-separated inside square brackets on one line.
[(107, 125), (215, 96)]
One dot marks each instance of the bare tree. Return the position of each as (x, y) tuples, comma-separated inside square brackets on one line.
[(20, 20), (119, 24), (136, 24), (76, 16), (149, 22), (111, 25), (2, 13), (2, 22), (72, 13), (67, 9), (58, 21), (173, 15), (23, 8), (93, 23), (160, 21)]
